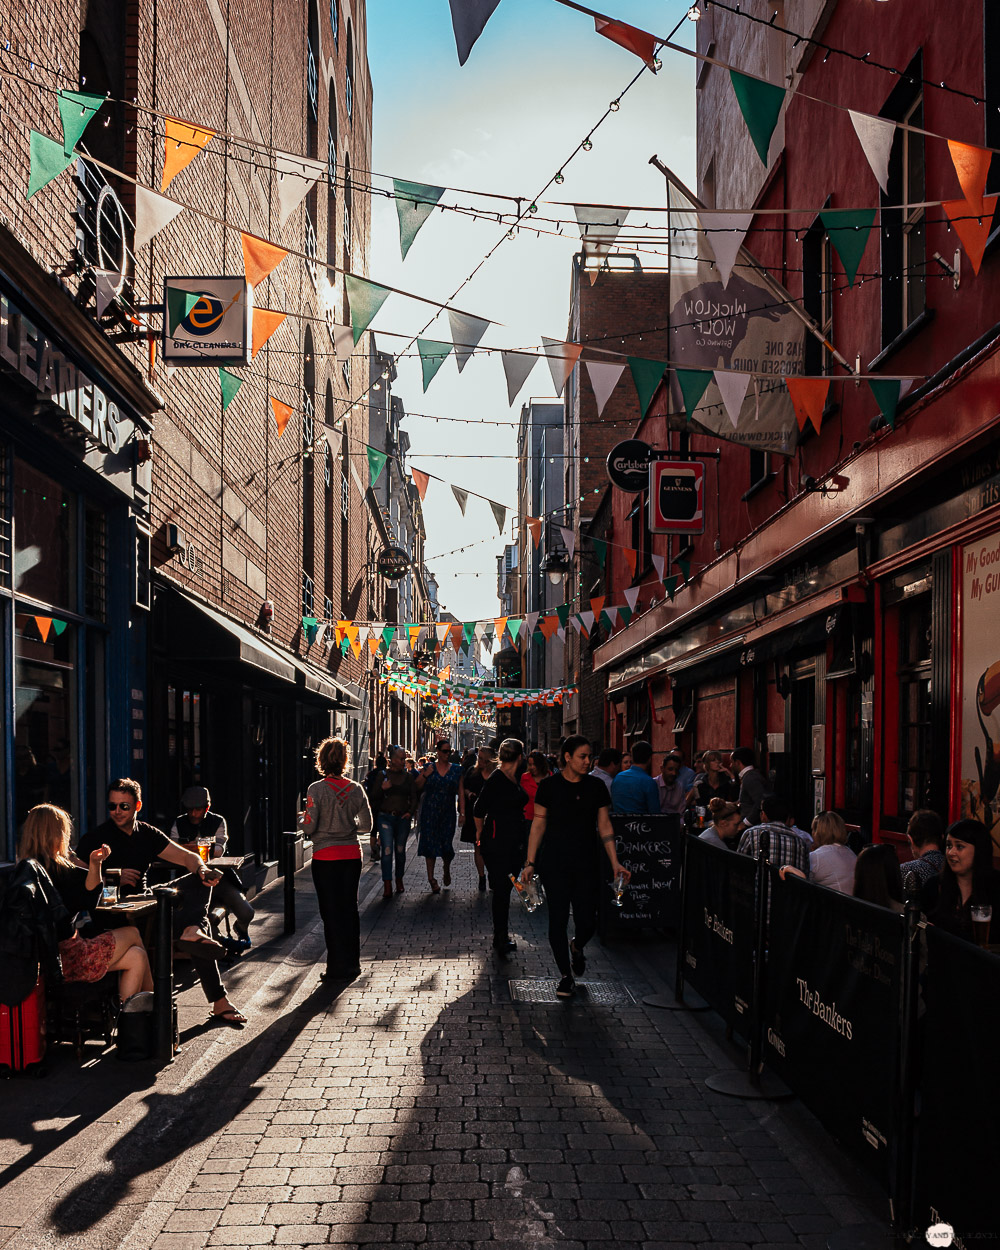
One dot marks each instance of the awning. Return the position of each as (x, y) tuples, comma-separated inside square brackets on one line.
[(319, 681)]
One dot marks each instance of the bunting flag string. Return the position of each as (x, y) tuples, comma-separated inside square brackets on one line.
[(265, 322), (76, 109), (415, 201), (604, 377), (432, 356), (848, 229), (760, 103), (420, 481), (260, 257), (376, 463), (282, 414), (182, 143), (297, 175), (47, 162), (230, 384)]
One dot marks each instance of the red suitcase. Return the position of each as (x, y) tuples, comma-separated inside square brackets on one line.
[(22, 1031)]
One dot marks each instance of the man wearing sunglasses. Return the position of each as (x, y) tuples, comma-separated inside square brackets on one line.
[(134, 845)]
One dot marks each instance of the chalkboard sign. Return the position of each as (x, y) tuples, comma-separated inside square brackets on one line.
[(650, 848)]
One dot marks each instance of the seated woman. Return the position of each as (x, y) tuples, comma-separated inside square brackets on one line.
[(832, 863), (877, 877), (45, 838), (726, 826), (968, 878)]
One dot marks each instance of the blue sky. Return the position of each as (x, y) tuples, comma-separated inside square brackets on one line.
[(536, 82)]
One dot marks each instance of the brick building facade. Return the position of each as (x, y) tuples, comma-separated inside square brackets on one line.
[(192, 551)]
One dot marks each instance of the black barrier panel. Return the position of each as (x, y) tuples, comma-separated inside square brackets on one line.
[(832, 1011), (958, 1130), (719, 930), (650, 848)]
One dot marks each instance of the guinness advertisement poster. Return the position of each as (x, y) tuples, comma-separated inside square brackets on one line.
[(832, 1012), (719, 930), (746, 327), (958, 1130), (650, 848)]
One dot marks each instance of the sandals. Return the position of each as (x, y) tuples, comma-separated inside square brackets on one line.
[(233, 1018), (435, 888)]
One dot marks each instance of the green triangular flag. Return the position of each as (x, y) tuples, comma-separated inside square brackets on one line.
[(887, 397), (647, 375), (179, 304), (670, 585), (693, 384), (376, 463), (600, 550), (76, 108), (365, 298), (538, 637), (562, 611), (58, 626), (760, 103), (626, 613), (414, 204), (432, 357), (468, 629), (48, 160), (514, 625), (604, 619), (310, 628), (345, 642), (849, 229), (685, 568), (387, 636), (230, 384)]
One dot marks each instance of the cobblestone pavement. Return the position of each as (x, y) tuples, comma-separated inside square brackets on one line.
[(422, 1104)]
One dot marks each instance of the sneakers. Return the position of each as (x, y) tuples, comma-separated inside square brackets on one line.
[(579, 959), (566, 988), (235, 946)]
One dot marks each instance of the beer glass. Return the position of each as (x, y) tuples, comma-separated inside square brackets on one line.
[(204, 846), (982, 914)]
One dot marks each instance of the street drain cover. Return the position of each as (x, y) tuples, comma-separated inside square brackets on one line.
[(600, 993)]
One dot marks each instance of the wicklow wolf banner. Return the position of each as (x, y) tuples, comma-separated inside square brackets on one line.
[(739, 320), (832, 1012)]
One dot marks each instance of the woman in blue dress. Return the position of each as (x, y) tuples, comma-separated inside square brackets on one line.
[(441, 782)]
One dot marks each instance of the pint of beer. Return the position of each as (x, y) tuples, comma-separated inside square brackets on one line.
[(204, 846), (982, 915)]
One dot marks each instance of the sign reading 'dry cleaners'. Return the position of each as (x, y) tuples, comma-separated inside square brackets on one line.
[(677, 497), (206, 321)]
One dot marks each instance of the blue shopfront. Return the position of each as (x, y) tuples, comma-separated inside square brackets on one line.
[(74, 575)]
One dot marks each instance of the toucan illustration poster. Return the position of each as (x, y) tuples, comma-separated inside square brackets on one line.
[(981, 683)]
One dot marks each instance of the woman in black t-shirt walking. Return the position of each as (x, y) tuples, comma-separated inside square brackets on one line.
[(571, 823), (501, 835)]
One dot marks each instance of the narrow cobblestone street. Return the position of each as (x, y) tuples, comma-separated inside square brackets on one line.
[(422, 1104)]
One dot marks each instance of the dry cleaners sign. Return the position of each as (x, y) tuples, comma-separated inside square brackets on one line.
[(37, 359)]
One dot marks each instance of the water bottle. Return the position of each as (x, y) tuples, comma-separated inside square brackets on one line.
[(531, 895), (618, 889)]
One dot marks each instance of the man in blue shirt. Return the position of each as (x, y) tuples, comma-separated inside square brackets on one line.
[(634, 791)]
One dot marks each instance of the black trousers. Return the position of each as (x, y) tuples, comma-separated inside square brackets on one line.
[(191, 908), (500, 862), (336, 882), (576, 886)]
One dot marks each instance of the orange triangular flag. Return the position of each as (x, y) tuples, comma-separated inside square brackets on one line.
[(501, 624), (629, 554), (353, 635), (374, 643), (548, 625), (341, 633), (596, 605), (282, 414), (44, 624), (445, 673), (260, 257), (265, 322), (420, 481), (534, 524), (972, 165), (182, 144), (972, 227), (808, 399)]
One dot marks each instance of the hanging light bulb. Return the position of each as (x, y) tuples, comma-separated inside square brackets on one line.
[(586, 144), (657, 65), (532, 207), (694, 13), (560, 178), (615, 105)]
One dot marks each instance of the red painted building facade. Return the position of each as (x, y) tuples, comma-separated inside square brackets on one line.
[(837, 616)]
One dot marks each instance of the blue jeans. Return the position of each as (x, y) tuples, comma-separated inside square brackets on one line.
[(393, 832)]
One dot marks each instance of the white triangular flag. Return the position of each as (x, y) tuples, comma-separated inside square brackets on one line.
[(724, 234), (612, 615), (516, 367), (296, 177), (603, 378), (632, 596), (462, 496), (876, 135), (561, 632), (561, 358), (106, 283), (442, 632), (480, 629), (574, 620), (343, 342), (152, 213), (335, 440), (659, 563), (363, 632), (599, 227), (466, 332), (569, 539), (733, 388), (588, 620), (530, 621)]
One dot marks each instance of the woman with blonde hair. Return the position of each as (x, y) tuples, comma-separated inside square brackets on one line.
[(832, 863), (336, 812), (45, 837)]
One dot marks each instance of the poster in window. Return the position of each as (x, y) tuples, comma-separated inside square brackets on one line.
[(980, 771)]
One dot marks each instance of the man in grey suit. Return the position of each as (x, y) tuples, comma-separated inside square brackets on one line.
[(753, 784)]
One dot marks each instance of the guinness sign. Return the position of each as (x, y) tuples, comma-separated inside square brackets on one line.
[(392, 563), (677, 497), (628, 465)]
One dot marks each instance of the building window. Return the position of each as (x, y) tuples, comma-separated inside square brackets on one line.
[(308, 460), (914, 232), (312, 81), (308, 594), (310, 249), (817, 296), (335, 22), (914, 705), (760, 467), (903, 230), (331, 155), (349, 79)]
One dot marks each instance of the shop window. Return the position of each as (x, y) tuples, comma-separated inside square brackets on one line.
[(44, 537), (915, 720), (185, 735), (45, 716)]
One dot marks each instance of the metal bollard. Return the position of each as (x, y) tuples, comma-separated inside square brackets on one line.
[(163, 974), (291, 840), (756, 1046)]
